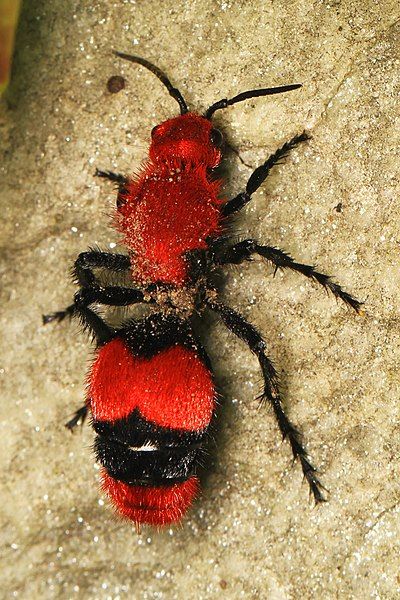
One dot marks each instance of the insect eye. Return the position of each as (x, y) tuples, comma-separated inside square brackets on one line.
[(216, 138), (153, 131)]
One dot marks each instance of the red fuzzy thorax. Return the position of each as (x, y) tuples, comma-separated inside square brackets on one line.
[(172, 207)]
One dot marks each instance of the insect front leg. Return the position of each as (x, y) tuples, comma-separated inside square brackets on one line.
[(111, 176), (248, 333), (121, 180), (281, 260), (260, 174)]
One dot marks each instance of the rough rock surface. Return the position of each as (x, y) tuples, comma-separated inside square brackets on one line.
[(254, 533)]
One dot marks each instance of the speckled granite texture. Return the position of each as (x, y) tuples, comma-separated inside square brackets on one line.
[(254, 533)]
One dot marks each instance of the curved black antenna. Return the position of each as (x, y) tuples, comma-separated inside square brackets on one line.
[(250, 94), (161, 76)]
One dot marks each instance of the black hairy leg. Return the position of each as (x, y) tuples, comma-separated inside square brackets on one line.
[(120, 180), (93, 323), (281, 260), (83, 273), (96, 259), (102, 333), (249, 334), (260, 174), (78, 419), (59, 315), (110, 296), (115, 177)]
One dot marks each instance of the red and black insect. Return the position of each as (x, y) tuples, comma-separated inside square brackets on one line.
[(151, 392)]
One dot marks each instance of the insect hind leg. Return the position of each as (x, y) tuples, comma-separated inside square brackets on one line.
[(59, 315), (78, 418), (245, 331)]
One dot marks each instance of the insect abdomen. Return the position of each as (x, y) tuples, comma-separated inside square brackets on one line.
[(152, 401), (173, 388)]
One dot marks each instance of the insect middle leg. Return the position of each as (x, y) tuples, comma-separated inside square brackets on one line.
[(83, 272), (110, 296), (245, 249), (260, 174), (248, 333), (96, 259)]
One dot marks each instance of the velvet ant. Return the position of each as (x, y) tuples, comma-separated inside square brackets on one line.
[(151, 392)]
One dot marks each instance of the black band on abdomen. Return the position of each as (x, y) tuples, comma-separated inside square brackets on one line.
[(139, 452)]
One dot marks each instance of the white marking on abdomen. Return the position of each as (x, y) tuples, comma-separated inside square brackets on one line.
[(144, 448)]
